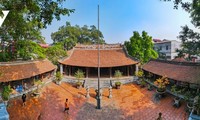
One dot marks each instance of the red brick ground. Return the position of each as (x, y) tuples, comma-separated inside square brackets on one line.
[(130, 102)]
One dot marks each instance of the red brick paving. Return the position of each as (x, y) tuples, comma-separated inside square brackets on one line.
[(130, 102)]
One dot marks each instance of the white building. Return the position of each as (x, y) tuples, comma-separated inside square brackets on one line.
[(167, 47)]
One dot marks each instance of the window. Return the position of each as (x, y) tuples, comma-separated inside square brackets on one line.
[(166, 47), (168, 57), (160, 47)]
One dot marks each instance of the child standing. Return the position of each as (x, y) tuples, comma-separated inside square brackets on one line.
[(66, 106), (24, 99)]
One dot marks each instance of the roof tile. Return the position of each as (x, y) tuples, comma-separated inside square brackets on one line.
[(89, 58), (17, 71), (181, 71)]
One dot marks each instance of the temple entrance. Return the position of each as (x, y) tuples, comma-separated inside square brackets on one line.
[(107, 72), (92, 72)]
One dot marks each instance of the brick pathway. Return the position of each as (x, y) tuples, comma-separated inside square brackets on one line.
[(129, 103)]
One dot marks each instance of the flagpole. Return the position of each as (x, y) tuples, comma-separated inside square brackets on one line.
[(98, 96)]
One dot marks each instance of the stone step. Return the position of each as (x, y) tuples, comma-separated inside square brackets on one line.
[(94, 83)]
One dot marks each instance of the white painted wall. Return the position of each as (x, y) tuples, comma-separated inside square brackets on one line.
[(168, 48)]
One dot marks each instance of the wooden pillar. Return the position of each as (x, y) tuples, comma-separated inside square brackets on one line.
[(127, 70), (110, 69), (136, 68), (61, 69), (87, 72), (69, 70)]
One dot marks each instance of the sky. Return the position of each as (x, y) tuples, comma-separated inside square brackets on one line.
[(119, 18)]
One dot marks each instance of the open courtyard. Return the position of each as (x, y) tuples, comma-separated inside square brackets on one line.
[(128, 103)]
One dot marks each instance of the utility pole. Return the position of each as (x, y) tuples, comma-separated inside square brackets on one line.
[(98, 92)]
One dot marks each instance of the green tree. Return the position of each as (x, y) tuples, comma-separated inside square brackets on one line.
[(6, 92), (55, 52), (25, 20), (161, 55), (141, 47), (27, 49), (59, 77), (24, 49), (68, 43), (190, 39), (79, 74), (190, 42), (70, 35), (27, 17)]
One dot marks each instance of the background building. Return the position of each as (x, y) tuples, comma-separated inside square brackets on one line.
[(167, 48)]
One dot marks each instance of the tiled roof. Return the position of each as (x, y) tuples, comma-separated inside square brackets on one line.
[(181, 59), (180, 71), (11, 71), (110, 56)]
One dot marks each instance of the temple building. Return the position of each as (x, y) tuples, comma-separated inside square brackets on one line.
[(85, 57), (178, 71), (20, 72)]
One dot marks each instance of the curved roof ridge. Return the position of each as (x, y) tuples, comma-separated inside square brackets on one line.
[(187, 63), (95, 46), (21, 62)]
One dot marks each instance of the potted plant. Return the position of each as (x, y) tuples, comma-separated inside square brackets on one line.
[(117, 75), (58, 77), (195, 114), (149, 87), (6, 94), (38, 84), (197, 106), (142, 83), (79, 75), (176, 99), (118, 84), (161, 84), (149, 75), (139, 74), (175, 91), (187, 97)]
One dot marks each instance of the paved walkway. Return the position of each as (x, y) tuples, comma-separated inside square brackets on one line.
[(129, 103)]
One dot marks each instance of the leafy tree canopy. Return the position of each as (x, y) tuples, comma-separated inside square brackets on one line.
[(27, 50), (190, 42), (27, 17), (55, 52), (23, 24), (22, 49), (70, 35), (141, 47)]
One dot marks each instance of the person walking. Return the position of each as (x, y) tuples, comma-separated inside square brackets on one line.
[(66, 106), (159, 116), (24, 99)]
